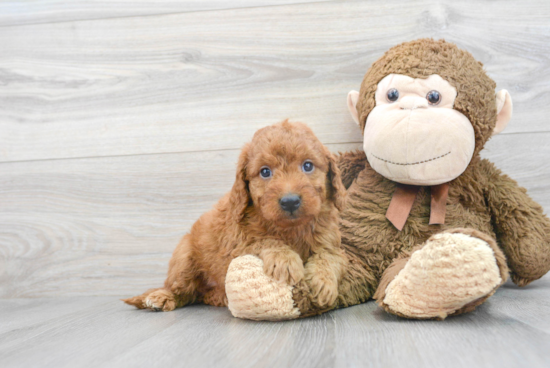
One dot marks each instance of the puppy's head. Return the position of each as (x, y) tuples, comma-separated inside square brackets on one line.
[(288, 175)]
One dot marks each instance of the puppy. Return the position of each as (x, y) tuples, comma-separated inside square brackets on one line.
[(282, 208)]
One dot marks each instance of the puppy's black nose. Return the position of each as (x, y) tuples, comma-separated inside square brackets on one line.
[(290, 202)]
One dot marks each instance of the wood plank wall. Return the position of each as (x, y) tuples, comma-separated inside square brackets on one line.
[(121, 121)]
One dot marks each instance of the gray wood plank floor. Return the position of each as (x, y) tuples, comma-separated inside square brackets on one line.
[(511, 330)]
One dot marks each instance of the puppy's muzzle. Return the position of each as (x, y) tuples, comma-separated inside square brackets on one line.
[(290, 202)]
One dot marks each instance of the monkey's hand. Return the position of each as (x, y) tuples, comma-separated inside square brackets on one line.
[(522, 229)]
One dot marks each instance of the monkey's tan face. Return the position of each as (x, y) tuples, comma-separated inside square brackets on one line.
[(413, 135)]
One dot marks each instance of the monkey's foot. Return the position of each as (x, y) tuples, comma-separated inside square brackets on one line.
[(451, 274), (253, 295)]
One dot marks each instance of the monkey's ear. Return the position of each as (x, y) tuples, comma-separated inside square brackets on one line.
[(504, 110), (353, 97)]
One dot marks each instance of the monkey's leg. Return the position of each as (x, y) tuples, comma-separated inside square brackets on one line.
[(253, 295), (452, 273)]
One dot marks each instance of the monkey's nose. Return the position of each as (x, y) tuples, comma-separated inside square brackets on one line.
[(290, 202), (412, 102)]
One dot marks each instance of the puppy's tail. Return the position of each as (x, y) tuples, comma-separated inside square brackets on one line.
[(139, 301)]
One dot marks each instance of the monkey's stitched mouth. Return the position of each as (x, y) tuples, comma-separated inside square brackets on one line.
[(412, 163)]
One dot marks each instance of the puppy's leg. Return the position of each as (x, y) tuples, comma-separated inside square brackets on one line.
[(165, 300), (139, 300), (323, 272), (180, 287), (184, 276), (283, 264), (280, 261), (161, 300), (215, 297), (325, 268)]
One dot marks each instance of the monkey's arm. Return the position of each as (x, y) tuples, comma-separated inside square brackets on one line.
[(522, 230), (350, 165)]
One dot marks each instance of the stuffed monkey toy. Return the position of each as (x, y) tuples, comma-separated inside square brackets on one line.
[(430, 229)]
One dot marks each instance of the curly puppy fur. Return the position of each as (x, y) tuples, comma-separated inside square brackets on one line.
[(298, 246)]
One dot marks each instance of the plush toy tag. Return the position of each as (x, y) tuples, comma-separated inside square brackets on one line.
[(403, 200)]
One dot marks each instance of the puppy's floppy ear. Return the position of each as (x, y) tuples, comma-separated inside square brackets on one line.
[(338, 191), (240, 196)]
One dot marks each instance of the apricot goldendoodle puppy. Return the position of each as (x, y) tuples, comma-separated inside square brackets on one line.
[(282, 208)]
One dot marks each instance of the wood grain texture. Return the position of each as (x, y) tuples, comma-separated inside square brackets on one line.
[(108, 225), (204, 80), (511, 330), (13, 13)]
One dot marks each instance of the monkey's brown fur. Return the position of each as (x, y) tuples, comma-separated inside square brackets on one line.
[(249, 220), (482, 201)]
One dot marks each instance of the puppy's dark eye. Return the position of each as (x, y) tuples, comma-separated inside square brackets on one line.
[(433, 97), (392, 95), (265, 172), (307, 167)]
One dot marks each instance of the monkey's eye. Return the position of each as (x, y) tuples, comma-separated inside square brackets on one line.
[(265, 172), (433, 97), (392, 95), (308, 167)]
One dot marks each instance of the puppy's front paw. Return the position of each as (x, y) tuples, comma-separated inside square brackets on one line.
[(283, 265), (324, 289)]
